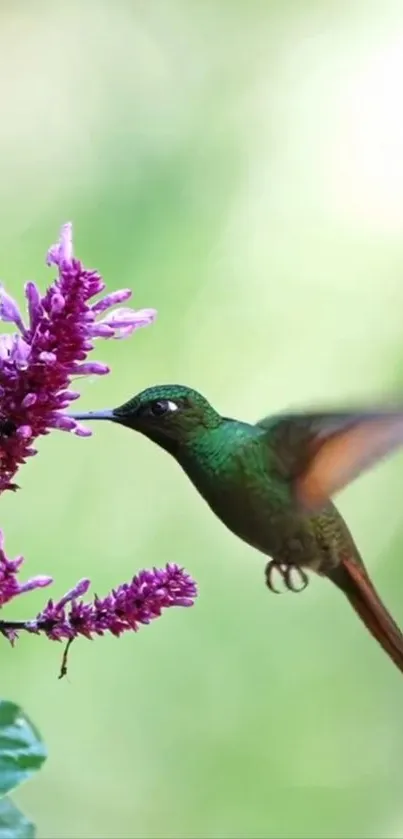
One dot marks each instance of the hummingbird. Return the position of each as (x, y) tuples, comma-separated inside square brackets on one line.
[(271, 483)]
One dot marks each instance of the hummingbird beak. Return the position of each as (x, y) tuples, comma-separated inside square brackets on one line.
[(106, 414)]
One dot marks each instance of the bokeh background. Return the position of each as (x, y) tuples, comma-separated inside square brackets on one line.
[(240, 166)]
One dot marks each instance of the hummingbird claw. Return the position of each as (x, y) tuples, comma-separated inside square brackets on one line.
[(291, 584), (271, 567), (287, 573)]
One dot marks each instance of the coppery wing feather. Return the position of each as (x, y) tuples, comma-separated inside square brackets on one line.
[(323, 452)]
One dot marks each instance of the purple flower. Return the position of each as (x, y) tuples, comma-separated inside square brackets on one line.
[(10, 586), (125, 608), (38, 363)]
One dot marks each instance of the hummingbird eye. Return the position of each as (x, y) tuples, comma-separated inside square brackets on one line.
[(162, 406)]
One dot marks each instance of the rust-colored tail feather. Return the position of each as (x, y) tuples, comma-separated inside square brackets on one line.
[(354, 581)]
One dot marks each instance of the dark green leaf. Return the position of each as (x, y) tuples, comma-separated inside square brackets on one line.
[(13, 823), (22, 751)]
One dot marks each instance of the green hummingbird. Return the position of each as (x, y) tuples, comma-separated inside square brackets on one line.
[(271, 483)]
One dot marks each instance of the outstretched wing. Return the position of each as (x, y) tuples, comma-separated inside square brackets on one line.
[(323, 452)]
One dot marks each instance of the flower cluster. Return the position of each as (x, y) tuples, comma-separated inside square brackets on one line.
[(126, 608), (37, 365), (10, 586)]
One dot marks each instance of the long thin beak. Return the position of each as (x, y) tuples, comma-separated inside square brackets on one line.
[(106, 414)]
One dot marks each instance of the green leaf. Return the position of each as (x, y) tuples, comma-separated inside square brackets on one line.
[(13, 823), (22, 751)]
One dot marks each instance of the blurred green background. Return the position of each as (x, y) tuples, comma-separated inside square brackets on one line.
[(240, 166)]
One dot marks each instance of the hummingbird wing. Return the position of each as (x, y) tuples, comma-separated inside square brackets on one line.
[(323, 452)]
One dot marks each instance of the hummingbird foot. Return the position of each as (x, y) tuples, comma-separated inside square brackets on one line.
[(287, 574)]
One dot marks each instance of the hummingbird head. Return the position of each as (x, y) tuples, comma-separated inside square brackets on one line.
[(170, 415)]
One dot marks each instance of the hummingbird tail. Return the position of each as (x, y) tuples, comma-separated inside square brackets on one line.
[(354, 581)]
